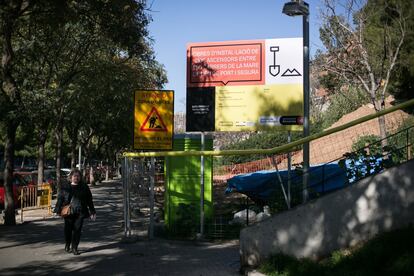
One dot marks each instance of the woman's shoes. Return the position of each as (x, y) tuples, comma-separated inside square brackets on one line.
[(75, 251)]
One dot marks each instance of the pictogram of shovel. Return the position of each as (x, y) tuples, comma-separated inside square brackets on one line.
[(274, 69)]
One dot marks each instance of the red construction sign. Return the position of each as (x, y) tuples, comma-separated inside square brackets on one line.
[(153, 122), (225, 63)]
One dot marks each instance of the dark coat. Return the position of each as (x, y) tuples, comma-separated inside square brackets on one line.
[(78, 196)]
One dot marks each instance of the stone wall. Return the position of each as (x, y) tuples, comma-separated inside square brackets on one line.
[(338, 220)]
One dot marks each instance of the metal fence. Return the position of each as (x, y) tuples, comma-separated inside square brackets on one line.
[(143, 183), (334, 154), (337, 160)]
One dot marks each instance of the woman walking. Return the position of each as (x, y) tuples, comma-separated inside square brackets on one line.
[(79, 197)]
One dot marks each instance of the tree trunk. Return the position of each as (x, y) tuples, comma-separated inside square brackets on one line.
[(40, 163), (383, 131), (91, 176), (73, 155), (73, 132), (9, 204), (87, 153), (59, 142), (380, 105), (41, 156), (106, 173)]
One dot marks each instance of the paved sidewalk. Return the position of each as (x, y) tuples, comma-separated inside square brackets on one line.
[(36, 247)]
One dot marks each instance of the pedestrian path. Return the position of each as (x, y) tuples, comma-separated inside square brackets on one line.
[(36, 247)]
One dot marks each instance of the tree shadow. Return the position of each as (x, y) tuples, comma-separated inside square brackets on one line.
[(38, 248), (261, 103), (339, 220)]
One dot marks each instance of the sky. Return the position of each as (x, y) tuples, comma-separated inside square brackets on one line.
[(177, 23)]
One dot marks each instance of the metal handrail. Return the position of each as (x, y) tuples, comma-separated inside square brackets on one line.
[(322, 182), (276, 150)]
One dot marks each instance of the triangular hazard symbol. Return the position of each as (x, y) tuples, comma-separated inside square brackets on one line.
[(153, 122)]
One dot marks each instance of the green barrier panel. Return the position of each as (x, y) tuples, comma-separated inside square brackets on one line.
[(182, 196)]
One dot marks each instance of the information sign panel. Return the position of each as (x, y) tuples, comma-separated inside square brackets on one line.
[(258, 84)]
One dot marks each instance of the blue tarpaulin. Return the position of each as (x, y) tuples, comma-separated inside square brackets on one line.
[(262, 186)]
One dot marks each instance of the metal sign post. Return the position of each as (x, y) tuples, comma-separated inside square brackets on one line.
[(306, 101), (152, 182), (289, 168), (202, 188), (301, 8), (124, 186)]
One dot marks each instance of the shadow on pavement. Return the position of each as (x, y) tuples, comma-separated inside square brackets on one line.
[(37, 248)]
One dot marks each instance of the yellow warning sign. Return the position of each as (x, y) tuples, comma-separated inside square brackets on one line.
[(153, 119)]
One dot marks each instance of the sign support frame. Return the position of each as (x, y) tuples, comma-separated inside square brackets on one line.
[(202, 172)]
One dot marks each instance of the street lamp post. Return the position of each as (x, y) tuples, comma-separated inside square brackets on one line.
[(295, 8)]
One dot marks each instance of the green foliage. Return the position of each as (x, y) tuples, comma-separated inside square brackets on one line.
[(284, 265), (342, 104), (390, 253), (402, 81), (25, 141), (330, 82), (369, 157), (361, 164), (369, 141), (381, 31), (79, 62), (409, 122), (403, 139), (363, 40)]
